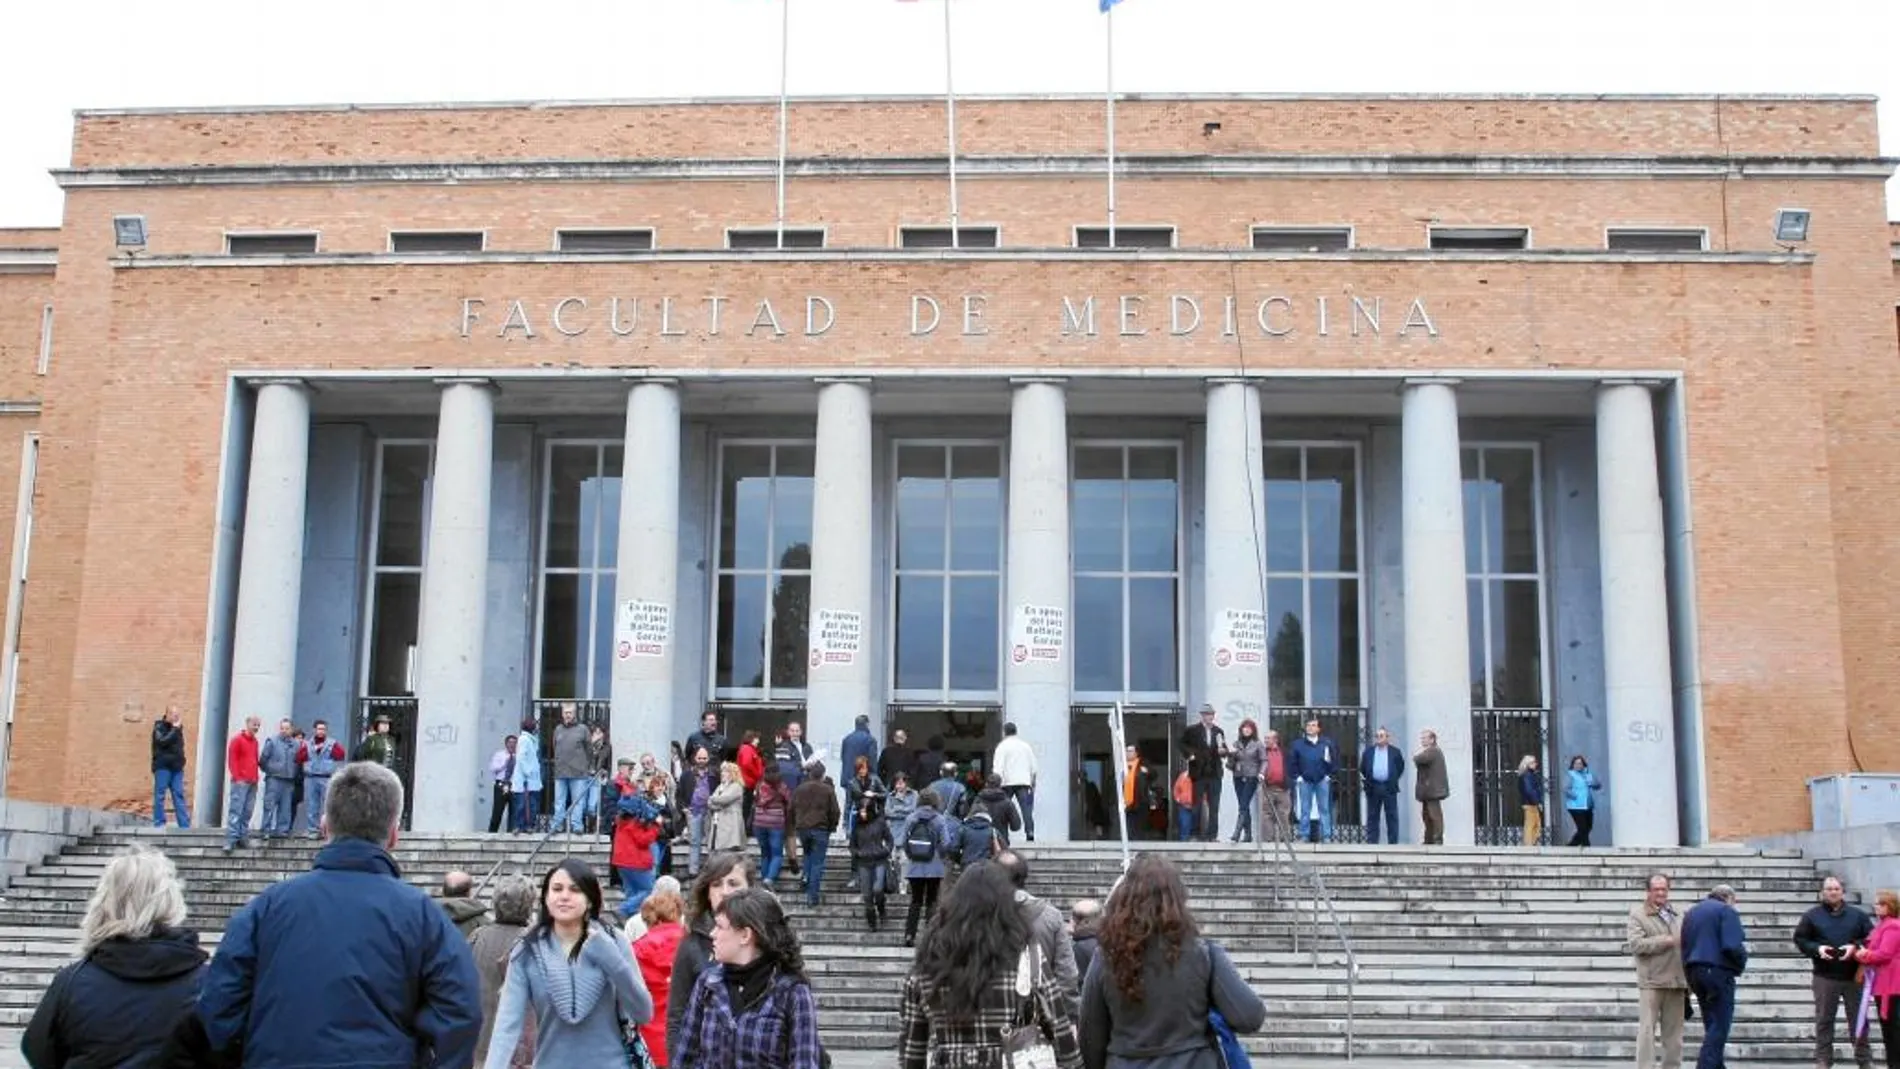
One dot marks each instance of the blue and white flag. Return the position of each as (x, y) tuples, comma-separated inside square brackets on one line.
[(1106, 4)]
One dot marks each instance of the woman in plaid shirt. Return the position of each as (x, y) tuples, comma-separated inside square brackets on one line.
[(969, 986), (753, 1008)]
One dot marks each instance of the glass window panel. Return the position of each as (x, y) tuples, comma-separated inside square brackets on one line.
[(1513, 471), (1152, 627), (570, 507), (1098, 510), (976, 630), (564, 615), (1517, 668), (1097, 627), (1286, 642), (1332, 505), (920, 632), (791, 618), (602, 642), (922, 462), (1153, 524), (393, 634), (920, 511), (405, 484), (744, 503), (1284, 553), (976, 509), (1474, 627), (739, 657), (607, 547), (791, 508), (1333, 642), (1474, 511)]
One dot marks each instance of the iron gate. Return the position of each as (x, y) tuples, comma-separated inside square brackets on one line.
[(1346, 727), (1500, 740), (402, 727)]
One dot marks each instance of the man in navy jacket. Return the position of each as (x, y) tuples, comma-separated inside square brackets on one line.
[(1310, 764), (346, 962), (1714, 953), (1381, 768)]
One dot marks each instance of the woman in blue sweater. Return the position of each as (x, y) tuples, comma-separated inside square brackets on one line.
[(1580, 800), (579, 978)]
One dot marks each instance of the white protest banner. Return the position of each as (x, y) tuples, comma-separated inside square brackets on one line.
[(1239, 638), (642, 629), (1038, 634)]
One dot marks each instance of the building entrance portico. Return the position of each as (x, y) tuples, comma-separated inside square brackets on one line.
[(1373, 551)]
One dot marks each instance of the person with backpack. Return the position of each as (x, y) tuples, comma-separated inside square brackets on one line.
[(951, 792), (977, 839), (928, 836), (871, 856), (1001, 806), (897, 810)]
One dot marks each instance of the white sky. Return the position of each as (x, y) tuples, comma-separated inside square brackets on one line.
[(140, 53)]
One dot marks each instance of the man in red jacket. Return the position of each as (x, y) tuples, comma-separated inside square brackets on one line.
[(240, 763)]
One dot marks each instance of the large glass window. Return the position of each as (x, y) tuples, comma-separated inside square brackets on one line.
[(1125, 520), (1504, 581), (949, 572), (398, 534), (580, 541), (764, 572), (1313, 574)]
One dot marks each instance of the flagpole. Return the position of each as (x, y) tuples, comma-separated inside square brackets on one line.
[(1110, 15), (950, 113), (784, 55)]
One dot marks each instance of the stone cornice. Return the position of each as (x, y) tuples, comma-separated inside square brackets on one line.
[(28, 261)]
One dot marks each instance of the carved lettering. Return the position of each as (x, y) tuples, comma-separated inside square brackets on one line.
[(1078, 320), (918, 303), (973, 315), (560, 310), (667, 329), (1130, 311), (814, 305), (1178, 327), (517, 319), (613, 316), (1369, 314), (766, 316), (1417, 316), (470, 312), (713, 305), (1265, 315)]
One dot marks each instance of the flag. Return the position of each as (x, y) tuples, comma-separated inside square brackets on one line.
[(1106, 4)]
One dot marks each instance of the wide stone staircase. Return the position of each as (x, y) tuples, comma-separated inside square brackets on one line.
[(1464, 954)]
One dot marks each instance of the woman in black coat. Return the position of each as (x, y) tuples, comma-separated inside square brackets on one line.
[(130, 1000)]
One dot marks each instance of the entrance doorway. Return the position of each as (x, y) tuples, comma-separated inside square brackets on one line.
[(768, 721), (1093, 804), (967, 734)]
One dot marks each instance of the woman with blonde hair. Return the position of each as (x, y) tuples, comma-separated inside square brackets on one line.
[(130, 1000), (1530, 794), (727, 806)]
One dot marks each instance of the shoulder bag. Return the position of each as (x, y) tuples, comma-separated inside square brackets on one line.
[(1233, 1055), (1028, 1044)]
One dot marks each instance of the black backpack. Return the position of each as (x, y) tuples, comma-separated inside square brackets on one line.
[(920, 843)]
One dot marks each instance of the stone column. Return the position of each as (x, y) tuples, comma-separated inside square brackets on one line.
[(1036, 687), (839, 689), (1235, 560), (270, 569), (646, 572), (1437, 657), (450, 774), (1636, 675)]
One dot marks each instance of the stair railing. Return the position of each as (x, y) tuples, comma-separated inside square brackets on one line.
[(1315, 884), (561, 821)]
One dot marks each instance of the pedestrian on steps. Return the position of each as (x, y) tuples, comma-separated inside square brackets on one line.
[(928, 837), (726, 806), (871, 858), (753, 1007), (240, 763), (491, 944), (1881, 958), (168, 768), (655, 952), (1653, 936), (1829, 935), (1580, 787), (1245, 762), (1530, 794), (723, 875), (1431, 786), (1714, 954)]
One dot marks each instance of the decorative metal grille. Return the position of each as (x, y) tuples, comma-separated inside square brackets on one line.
[(402, 714), (1346, 727), (1500, 739)]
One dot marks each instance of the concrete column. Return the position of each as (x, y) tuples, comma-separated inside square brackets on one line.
[(1437, 665), (450, 772), (1637, 681), (1235, 559), (839, 689), (646, 573), (270, 569), (1036, 688)]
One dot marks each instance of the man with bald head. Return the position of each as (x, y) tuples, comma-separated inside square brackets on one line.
[(1827, 936), (1085, 920)]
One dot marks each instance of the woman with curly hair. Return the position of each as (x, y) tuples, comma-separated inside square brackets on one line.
[(753, 1006), (978, 976), (1154, 979)]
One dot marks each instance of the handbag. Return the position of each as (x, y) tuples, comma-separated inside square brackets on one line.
[(1028, 1045), (1233, 1055), (638, 1057)]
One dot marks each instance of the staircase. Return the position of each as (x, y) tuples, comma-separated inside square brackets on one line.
[(1466, 954)]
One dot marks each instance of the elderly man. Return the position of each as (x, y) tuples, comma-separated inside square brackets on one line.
[(458, 889), (1431, 786), (1048, 930), (1654, 939), (1714, 953), (1827, 936), (392, 973), (1085, 921)]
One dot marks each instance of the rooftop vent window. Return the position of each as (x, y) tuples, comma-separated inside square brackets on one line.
[(436, 240), (1302, 238), (635, 240), (1126, 237), (1655, 240), (767, 238), (1480, 238), (269, 244), (938, 237)]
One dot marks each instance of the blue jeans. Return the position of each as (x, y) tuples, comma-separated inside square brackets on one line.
[(315, 790), (237, 817), (814, 843), (169, 781), (1245, 787), (570, 800), (1715, 990), (696, 833), (1184, 821), (1382, 802), (277, 807), (771, 851), (1306, 796), (635, 886), (1026, 801), (525, 805)]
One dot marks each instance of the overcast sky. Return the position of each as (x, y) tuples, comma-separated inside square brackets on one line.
[(141, 53)]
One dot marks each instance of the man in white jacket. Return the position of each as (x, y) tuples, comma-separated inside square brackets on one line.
[(1015, 762)]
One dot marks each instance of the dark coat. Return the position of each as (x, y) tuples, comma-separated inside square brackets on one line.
[(1084, 953), (903, 759), (1822, 927), (691, 959), (1204, 758), (1430, 783), (1712, 935), (1312, 760), (1169, 1024), (859, 743), (1395, 770), (168, 748), (130, 1004), (1002, 810), (815, 806), (346, 957)]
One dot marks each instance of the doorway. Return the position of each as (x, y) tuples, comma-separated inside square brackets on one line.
[(1093, 805), (967, 734)]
